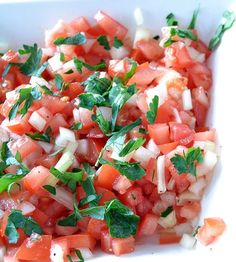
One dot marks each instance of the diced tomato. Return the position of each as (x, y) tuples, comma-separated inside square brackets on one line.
[(133, 196), (148, 225), (151, 174), (53, 104), (81, 240), (118, 68), (10, 56), (25, 146), (205, 136), (39, 249), (57, 121), (62, 242), (106, 241), (121, 184), (160, 133), (106, 194), (110, 26), (107, 176), (190, 211), (211, 230), (36, 178), (144, 207), (40, 217), (200, 112), (181, 133), (73, 90), (95, 227), (123, 245), (181, 182), (19, 125), (47, 161), (168, 238), (80, 24), (165, 112), (150, 49), (201, 47), (166, 148), (200, 75)]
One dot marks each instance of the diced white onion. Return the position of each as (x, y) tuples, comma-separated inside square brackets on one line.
[(209, 162), (168, 198), (35, 80), (26, 207), (106, 112), (65, 161), (177, 116), (86, 253), (37, 121), (141, 34), (68, 134), (178, 150), (171, 184), (46, 146), (71, 147), (200, 95), (83, 147), (119, 53), (160, 91), (138, 16), (132, 101), (88, 45), (68, 66), (56, 253), (2, 253), (4, 136), (60, 141), (55, 63), (195, 55), (187, 100), (153, 147), (63, 197), (187, 241), (185, 197), (143, 155), (198, 186), (183, 228), (169, 221), (161, 182)]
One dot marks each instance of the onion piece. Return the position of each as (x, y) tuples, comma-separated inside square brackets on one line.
[(153, 147), (35, 80), (185, 197), (106, 112), (71, 147), (2, 253), (55, 63), (141, 34), (209, 162), (119, 53), (183, 228), (37, 121), (161, 182), (83, 147), (56, 253), (187, 241), (63, 197), (169, 221), (68, 134), (195, 55), (47, 147), (187, 100), (65, 161), (198, 186), (143, 155), (138, 16), (26, 208), (160, 91)]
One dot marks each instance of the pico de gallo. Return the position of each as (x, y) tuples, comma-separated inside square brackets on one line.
[(103, 139)]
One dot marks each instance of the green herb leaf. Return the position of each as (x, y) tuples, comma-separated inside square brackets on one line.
[(79, 255), (132, 70), (89, 100), (97, 212), (62, 57), (103, 124), (118, 96), (184, 34), (78, 39), (27, 97), (68, 178), (121, 220), (90, 190), (152, 113), (59, 82), (76, 126), (196, 231), (46, 90), (117, 135), (17, 220), (187, 163), (50, 189), (171, 20), (192, 24), (79, 64), (131, 146), (222, 28), (32, 65), (117, 43), (42, 137), (56, 152), (102, 40), (167, 211), (142, 130), (7, 179)]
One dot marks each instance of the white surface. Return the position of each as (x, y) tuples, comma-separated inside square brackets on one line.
[(26, 22)]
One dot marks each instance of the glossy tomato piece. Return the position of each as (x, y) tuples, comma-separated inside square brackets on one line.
[(160, 133), (181, 133), (123, 245), (107, 177)]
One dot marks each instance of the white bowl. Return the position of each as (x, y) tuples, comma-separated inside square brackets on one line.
[(25, 21)]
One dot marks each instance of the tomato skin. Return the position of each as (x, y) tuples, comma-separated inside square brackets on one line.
[(190, 210), (150, 49), (106, 241), (95, 227), (19, 125), (106, 194), (123, 245), (166, 148), (181, 133), (148, 225), (211, 230), (81, 240), (39, 250), (159, 133), (200, 75), (110, 26), (107, 177), (168, 238), (36, 178), (151, 171), (181, 182), (133, 196)]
